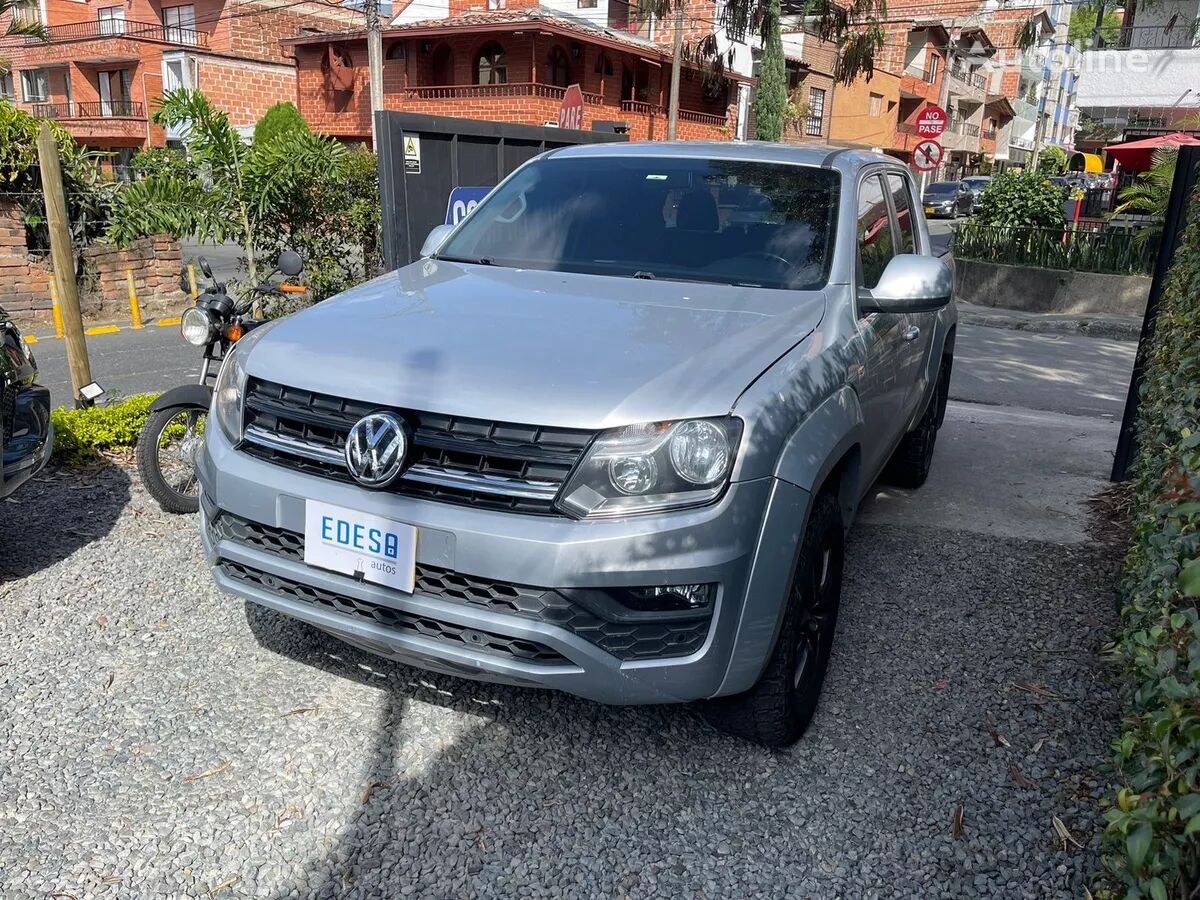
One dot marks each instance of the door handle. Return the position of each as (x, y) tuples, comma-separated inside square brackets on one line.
[(911, 333)]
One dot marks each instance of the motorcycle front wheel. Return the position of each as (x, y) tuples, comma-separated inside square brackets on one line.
[(167, 451)]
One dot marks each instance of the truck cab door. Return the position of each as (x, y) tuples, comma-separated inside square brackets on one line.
[(884, 352)]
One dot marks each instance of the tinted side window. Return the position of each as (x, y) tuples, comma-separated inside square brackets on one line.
[(875, 249), (902, 200)]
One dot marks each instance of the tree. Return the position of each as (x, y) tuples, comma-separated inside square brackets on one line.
[(291, 189), (1052, 160), (771, 98), (89, 197), (1083, 22), (18, 25), (282, 118), (1151, 195), (231, 189)]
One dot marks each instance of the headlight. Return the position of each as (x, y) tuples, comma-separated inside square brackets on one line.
[(652, 467), (228, 396), (197, 326)]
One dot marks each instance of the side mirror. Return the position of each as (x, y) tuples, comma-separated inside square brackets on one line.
[(290, 263), (439, 234), (910, 283), (205, 268)]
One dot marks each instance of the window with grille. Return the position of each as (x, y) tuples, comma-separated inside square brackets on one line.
[(6, 86), (815, 119), (875, 106), (491, 67)]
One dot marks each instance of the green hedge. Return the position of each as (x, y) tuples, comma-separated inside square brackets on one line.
[(80, 433), (1152, 826)]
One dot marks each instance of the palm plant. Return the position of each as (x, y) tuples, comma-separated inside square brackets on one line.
[(1152, 193), (230, 189), (18, 25)]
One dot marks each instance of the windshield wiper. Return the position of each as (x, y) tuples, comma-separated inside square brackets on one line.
[(479, 261), (647, 275)]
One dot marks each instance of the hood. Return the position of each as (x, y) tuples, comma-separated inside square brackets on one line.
[(546, 348)]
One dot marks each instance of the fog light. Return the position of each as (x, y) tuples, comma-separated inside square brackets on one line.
[(671, 598)]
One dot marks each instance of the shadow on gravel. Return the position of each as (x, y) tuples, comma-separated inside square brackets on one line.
[(57, 513), (945, 639)]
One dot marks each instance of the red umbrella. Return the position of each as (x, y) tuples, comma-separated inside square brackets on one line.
[(1136, 156)]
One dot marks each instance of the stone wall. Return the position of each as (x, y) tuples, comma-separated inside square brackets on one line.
[(155, 262)]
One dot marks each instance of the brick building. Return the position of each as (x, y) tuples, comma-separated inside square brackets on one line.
[(510, 65), (107, 61)]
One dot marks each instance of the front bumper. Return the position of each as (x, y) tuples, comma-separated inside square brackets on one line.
[(746, 543), (26, 450)]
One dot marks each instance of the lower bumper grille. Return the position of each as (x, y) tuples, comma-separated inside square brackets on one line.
[(629, 640), (395, 619)]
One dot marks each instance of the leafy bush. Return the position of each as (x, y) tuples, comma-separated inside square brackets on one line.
[(1016, 199), (282, 118), (89, 197), (80, 433), (1152, 827), (1052, 160)]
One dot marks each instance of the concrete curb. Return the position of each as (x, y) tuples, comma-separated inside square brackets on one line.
[(96, 330), (1089, 326)]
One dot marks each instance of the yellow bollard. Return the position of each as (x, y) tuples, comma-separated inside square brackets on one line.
[(55, 308), (135, 311), (192, 282)]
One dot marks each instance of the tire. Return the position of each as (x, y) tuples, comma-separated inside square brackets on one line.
[(778, 709), (910, 463), (175, 495)]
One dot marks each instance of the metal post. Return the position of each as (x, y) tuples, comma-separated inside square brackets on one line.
[(135, 309), (676, 64), (374, 65), (1097, 42), (1186, 176), (63, 259)]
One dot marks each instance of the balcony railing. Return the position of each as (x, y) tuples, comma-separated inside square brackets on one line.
[(119, 28), (491, 91), (927, 74), (1177, 36), (906, 128), (111, 109), (989, 134), (961, 126), (971, 79), (640, 106)]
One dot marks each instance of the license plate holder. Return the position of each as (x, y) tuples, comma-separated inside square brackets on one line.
[(363, 545)]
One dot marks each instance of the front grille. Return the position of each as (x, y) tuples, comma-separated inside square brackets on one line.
[(493, 465), (395, 619), (625, 640)]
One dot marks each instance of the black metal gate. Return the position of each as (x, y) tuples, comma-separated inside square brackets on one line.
[(1187, 177), (423, 158)]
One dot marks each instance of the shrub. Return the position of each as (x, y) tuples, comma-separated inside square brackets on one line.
[(1152, 827), (1017, 199), (80, 433), (282, 118), (1052, 160)]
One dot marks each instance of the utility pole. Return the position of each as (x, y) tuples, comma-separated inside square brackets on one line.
[(676, 64), (374, 65), (63, 261)]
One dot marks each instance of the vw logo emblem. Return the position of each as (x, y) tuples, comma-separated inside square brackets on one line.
[(375, 449)]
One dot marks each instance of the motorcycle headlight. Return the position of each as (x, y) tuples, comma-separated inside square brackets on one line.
[(228, 396), (197, 326), (653, 467)]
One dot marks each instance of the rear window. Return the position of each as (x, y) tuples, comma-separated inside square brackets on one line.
[(721, 221), (942, 187)]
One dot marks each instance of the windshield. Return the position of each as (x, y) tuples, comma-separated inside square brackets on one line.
[(721, 221), (942, 187)]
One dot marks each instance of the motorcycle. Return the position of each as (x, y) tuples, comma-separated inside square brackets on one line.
[(170, 442)]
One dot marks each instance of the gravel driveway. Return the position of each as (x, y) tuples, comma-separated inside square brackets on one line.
[(152, 747)]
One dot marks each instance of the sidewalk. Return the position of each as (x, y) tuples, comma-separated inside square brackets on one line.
[(1121, 328)]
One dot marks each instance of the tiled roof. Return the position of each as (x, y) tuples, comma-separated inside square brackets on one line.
[(531, 14)]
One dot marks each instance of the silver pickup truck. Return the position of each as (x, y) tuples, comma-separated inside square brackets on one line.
[(606, 436)]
